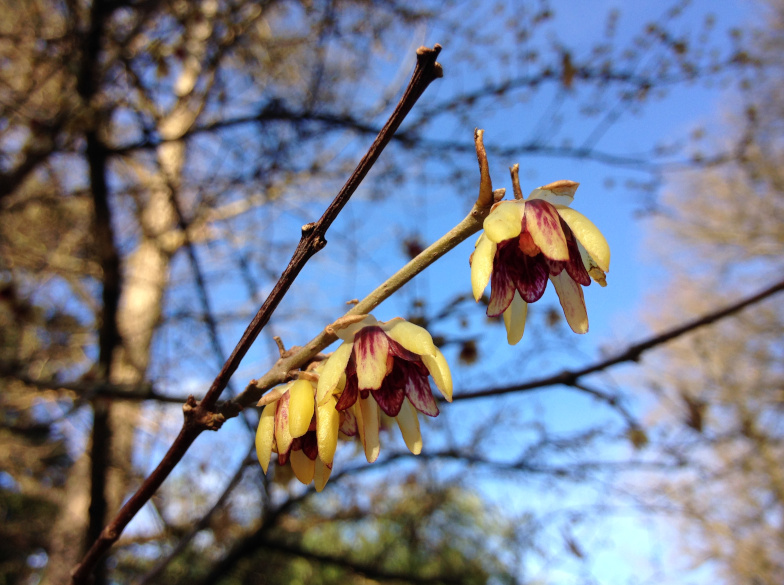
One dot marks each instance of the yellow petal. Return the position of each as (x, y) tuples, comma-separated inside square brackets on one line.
[(283, 436), (409, 427), (303, 466), (505, 221), (327, 425), (591, 266), (571, 296), (360, 425), (301, 403), (347, 333), (482, 265), (369, 422), (265, 434), (439, 369), (544, 224), (557, 193), (412, 337), (588, 235), (333, 369), (321, 475), (371, 349), (514, 319)]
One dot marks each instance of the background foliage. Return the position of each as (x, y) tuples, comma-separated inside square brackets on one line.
[(158, 159)]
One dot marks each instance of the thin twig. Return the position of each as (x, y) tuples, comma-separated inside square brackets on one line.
[(203, 522), (200, 416), (630, 354)]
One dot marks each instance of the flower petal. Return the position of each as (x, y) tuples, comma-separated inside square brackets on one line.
[(321, 474), (369, 423), (530, 276), (408, 422), (571, 296), (371, 349), (439, 369), (588, 235), (332, 370), (419, 393), (265, 434), (348, 422), (303, 466), (283, 436), (327, 425), (348, 332), (544, 224), (502, 285), (514, 319), (391, 394), (414, 338), (482, 265), (592, 267), (505, 221), (349, 395), (301, 403), (557, 193)]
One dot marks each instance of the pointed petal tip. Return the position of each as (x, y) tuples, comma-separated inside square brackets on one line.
[(514, 319)]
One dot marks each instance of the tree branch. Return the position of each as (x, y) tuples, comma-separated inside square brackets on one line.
[(630, 354), (199, 416)]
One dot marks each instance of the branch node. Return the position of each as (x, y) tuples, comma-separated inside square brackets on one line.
[(196, 416)]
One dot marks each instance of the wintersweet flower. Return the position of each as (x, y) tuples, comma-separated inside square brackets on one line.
[(383, 367), (525, 242), (294, 428)]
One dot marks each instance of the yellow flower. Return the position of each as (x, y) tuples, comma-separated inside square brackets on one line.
[(384, 366), (525, 242), (297, 431)]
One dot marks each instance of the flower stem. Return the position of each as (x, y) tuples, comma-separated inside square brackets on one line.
[(465, 229)]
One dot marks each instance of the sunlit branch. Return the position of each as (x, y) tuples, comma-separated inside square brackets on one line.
[(469, 226), (199, 415), (203, 522)]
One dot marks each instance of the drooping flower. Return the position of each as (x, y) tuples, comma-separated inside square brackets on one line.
[(384, 367), (525, 242), (298, 431)]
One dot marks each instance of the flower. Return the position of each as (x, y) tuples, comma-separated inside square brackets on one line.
[(383, 366), (525, 242), (297, 431)]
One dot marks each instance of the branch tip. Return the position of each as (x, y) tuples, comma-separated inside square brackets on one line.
[(485, 198)]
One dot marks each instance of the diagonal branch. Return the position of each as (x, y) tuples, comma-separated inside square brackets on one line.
[(630, 354), (199, 416)]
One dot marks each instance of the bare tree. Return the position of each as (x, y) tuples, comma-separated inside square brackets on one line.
[(150, 151)]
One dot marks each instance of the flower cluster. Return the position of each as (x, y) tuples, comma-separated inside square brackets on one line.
[(297, 431), (525, 242), (380, 368), (381, 371)]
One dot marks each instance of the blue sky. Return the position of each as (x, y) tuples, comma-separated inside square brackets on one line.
[(429, 205)]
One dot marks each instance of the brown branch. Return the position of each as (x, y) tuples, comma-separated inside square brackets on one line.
[(369, 571), (109, 258), (199, 416), (630, 354), (93, 389), (155, 573)]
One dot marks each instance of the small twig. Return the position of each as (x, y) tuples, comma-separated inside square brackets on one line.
[(485, 198), (200, 416), (277, 375), (203, 522)]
